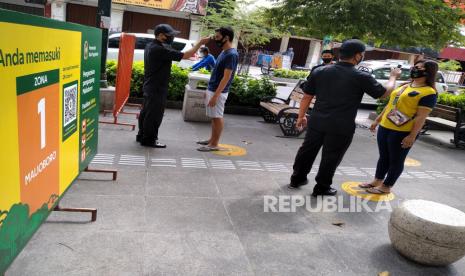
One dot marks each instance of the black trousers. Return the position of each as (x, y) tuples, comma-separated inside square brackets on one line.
[(334, 148), (151, 116), (391, 155)]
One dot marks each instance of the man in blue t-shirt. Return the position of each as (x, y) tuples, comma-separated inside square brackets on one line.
[(207, 62), (218, 87)]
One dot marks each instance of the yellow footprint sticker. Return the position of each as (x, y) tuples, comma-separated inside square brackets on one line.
[(410, 162), (352, 188), (230, 150)]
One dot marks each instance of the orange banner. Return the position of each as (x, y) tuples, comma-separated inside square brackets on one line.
[(124, 72)]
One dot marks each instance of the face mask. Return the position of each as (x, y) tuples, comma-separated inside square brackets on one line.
[(169, 40), (416, 73), (220, 42), (327, 60)]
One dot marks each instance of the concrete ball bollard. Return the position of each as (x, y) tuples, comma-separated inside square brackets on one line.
[(427, 232)]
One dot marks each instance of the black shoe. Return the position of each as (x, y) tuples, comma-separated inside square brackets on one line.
[(155, 144), (326, 192), (297, 185)]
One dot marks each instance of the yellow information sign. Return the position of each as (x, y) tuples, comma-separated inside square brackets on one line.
[(48, 123)]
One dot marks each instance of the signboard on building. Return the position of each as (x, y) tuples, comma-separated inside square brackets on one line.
[(189, 6), (49, 75)]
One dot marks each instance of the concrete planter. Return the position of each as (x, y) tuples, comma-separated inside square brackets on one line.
[(276, 79), (236, 110), (107, 98), (428, 232)]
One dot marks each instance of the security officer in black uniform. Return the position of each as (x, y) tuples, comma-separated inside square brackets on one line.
[(338, 89), (327, 57), (158, 57)]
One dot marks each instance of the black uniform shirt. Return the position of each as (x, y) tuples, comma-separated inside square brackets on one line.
[(157, 67), (338, 89)]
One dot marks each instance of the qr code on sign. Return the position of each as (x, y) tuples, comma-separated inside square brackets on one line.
[(70, 104)]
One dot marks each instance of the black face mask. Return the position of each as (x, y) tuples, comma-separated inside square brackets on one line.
[(327, 60), (220, 42), (169, 40), (416, 73)]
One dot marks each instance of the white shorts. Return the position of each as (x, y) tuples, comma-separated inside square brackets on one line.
[(218, 110)]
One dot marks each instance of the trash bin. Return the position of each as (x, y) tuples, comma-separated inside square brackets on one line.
[(193, 107)]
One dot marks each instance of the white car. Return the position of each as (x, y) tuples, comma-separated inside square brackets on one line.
[(142, 40), (381, 69)]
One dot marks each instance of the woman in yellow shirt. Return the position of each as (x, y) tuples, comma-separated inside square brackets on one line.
[(400, 123)]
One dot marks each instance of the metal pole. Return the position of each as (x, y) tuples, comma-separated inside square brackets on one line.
[(103, 22)]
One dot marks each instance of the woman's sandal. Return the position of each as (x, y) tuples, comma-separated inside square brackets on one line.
[(376, 191), (366, 185)]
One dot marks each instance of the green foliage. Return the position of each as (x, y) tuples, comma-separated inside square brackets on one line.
[(290, 74), (451, 65), (244, 91), (248, 92), (452, 100), (204, 71), (177, 85), (425, 23), (381, 103), (248, 24)]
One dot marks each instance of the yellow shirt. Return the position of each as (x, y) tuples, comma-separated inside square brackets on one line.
[(408, 103)]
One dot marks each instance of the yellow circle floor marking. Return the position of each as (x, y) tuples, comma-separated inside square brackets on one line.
[(230, 150), (352, 188), (410, 162)]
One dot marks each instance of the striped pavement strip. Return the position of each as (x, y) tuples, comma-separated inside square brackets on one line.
[(222, 164), (132, 160), (163, 163), (275, 167), (249, 165), (193, 163), (421, 175), (104, 159)]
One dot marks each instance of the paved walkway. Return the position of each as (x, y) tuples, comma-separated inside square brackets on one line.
[(178, 211)]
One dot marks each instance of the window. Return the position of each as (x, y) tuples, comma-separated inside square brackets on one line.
[(384, 73), (178, 45), (141, 42), (113, 42), (439, 78)]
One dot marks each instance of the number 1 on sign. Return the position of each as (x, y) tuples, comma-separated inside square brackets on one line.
[(41, 111)]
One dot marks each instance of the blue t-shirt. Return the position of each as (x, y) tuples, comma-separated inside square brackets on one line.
[(226, 60), (207, 62)]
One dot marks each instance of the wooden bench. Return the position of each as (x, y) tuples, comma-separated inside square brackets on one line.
[(449, 118), (284, 112)]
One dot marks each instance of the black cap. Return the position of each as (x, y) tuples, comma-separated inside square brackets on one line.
[(165, 29), (352, 46)]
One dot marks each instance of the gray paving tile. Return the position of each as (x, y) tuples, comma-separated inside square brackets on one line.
[(81, 252), (113, 212), (181, 183), (246, 184), (365, 253), (130, 182), (194, 253), (186, 214), (247, 214), (291, 254)]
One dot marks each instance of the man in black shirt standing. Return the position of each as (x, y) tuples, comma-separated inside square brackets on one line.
[(158, 56), (327, 56), (338, 89)]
